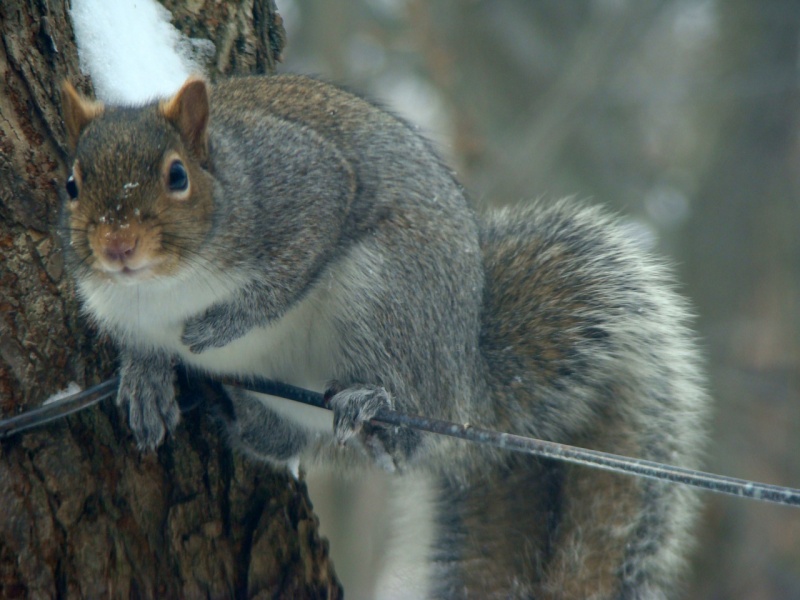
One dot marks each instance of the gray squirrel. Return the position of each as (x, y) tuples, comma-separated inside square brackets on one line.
[(285, 228)]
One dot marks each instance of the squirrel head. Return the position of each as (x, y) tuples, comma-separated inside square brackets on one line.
[(140, 196)]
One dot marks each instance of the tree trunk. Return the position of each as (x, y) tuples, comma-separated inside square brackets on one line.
[(84, 514)]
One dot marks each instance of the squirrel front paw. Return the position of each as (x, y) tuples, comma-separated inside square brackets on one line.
[(152, 409), (353, 408), (212, 329)]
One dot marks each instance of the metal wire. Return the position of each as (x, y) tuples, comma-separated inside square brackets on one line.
[(58, 408), (590, 458), (580, 456)]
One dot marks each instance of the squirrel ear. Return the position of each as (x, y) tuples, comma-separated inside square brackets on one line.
[(188, 110), (78, 112)]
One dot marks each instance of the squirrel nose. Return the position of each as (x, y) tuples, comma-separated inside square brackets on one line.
[(120, 248)]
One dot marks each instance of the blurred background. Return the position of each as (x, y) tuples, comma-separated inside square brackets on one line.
[(683, 116)]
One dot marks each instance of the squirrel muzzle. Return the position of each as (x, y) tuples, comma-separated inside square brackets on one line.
[(125, 249)]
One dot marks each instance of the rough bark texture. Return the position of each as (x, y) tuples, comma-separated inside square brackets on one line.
[(84, 515)]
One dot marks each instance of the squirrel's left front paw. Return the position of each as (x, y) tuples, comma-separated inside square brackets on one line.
[(354, 407), (206, 331), (391, 448)]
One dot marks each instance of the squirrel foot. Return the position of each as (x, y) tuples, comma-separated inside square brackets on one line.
[(353, 408), (151, 406)]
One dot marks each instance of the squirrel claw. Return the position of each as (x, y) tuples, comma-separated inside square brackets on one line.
[(198, 335), (354, 407), (152, 410), (382, 457), (215, 328)]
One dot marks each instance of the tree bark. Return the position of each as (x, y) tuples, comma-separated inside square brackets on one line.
[(84, 514)]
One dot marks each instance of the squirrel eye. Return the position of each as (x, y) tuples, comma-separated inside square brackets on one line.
[(178, 177), (72, 187)]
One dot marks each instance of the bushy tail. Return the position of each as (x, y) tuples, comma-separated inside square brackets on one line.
[(586, 342)]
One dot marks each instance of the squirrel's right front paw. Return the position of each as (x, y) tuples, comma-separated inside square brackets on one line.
[(152, 409)]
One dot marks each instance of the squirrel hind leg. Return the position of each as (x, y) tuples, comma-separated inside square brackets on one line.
[(252, 428)]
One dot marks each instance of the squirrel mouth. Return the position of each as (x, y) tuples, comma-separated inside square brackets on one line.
[(139, 273), (127, 274), (130, 270)]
